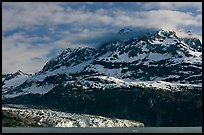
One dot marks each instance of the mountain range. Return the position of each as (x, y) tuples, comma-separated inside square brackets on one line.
[(152, 76)]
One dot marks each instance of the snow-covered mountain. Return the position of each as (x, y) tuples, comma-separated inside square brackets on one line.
[(150, 59), (154, 56), (14, 79), (7, 77)]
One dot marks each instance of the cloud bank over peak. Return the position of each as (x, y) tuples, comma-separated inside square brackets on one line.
[(34, 32)]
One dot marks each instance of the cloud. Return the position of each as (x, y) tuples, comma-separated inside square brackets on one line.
[(17, 16), (165, 19), (19, 52), (173, 5), (89, 27)]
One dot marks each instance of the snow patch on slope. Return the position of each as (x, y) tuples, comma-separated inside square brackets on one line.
[(34, 89), (15, 81)]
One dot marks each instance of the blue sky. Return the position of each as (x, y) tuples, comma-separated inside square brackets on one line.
[(33, 33)]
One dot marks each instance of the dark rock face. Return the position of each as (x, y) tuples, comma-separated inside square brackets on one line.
[(70, 57)]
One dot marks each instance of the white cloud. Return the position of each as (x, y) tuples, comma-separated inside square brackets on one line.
[(165, 19), (173, 5), (23, 15), (18, 52), (19, 15), (31, 14)]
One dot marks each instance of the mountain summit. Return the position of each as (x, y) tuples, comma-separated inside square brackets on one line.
[(6, 77)]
